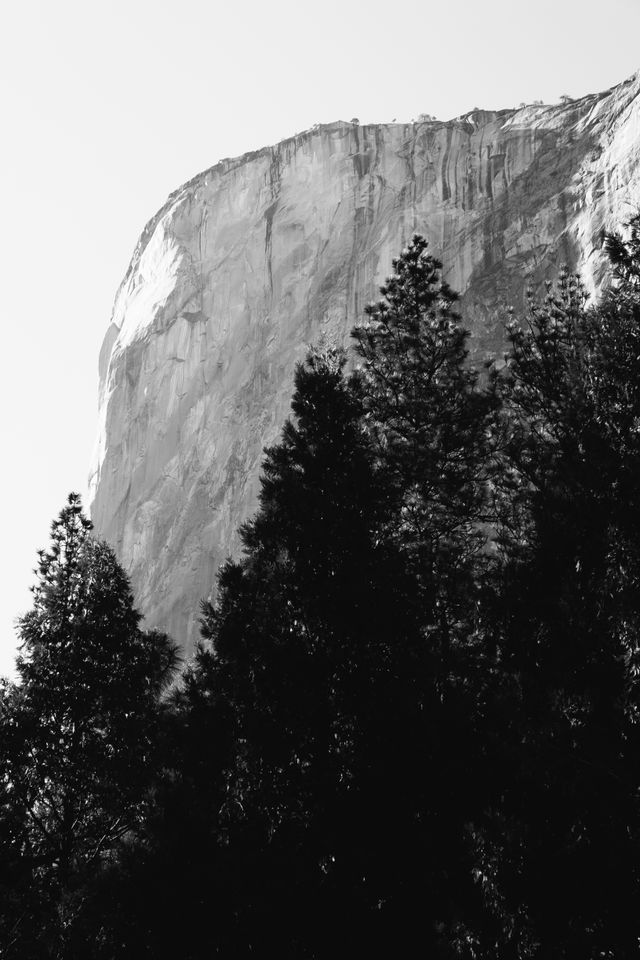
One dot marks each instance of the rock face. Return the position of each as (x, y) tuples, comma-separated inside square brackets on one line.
[(258, 257)]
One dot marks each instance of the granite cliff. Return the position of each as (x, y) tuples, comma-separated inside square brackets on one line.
[(259, 256)]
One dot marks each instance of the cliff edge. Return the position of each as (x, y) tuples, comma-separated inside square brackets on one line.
[(257, 257)]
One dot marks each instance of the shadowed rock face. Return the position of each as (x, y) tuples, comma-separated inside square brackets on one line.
[(260, 256)]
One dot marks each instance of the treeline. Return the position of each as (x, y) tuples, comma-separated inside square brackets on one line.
[(412, 727)]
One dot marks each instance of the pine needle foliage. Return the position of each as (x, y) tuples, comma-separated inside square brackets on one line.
[(412, 725), (334, 775), (78, 730), (429, 418), (568, 526), (424, 408)]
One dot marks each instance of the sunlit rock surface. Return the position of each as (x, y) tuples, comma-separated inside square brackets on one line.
[(260, 256)]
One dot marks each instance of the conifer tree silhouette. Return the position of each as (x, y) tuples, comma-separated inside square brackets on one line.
[(332, 769), (77, 733), (429, 420), (562, 866), (412, 727)]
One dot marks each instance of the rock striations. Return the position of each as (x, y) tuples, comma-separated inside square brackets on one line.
[(256, 258)]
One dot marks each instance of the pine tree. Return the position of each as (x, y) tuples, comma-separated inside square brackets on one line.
[(427, 414), (312, 636), (171, 887), (77, 732), (434, 424), (561, 866), (412, 727), (328, 819)]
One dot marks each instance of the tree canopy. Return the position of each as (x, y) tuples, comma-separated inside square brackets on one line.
[(77, 732), (411, 727)]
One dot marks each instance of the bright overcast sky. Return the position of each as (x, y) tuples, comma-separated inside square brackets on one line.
[(109, 106)]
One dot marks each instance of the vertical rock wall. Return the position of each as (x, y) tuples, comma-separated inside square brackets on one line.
[(258, 257)]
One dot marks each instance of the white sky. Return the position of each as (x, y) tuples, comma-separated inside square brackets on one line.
[(109, 106)]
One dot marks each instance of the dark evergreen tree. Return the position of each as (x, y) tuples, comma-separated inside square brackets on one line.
[(430, 415), (560, 861), (171, 888), (346, 747), (412, 727), (77, 734), (429, 420), (305, 632), (433, 420), (331, 817)]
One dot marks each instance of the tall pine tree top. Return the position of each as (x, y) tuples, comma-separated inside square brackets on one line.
[(77, 731), (422, 399)]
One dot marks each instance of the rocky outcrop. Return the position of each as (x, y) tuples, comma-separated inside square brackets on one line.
[(259, 256)]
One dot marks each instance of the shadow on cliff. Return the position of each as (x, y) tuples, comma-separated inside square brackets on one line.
[(548, 202)]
